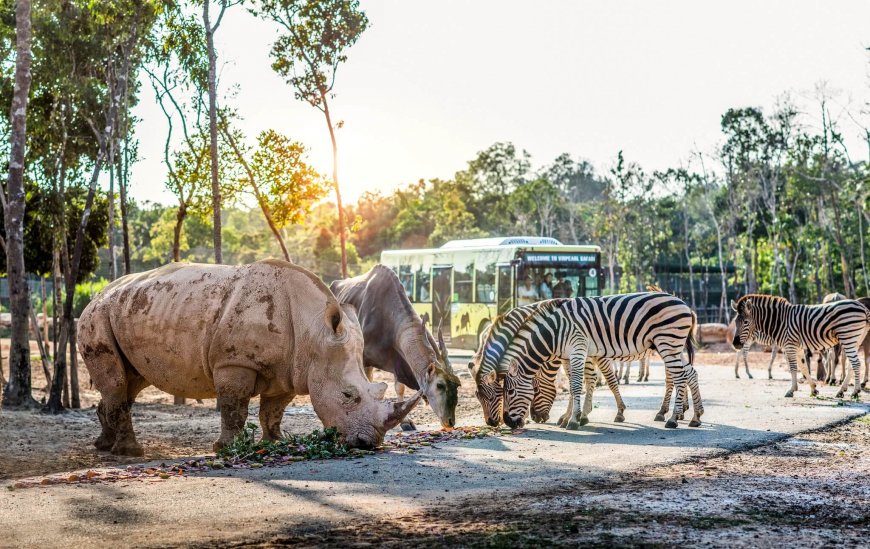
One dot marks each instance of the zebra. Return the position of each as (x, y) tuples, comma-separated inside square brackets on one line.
[(771, 319), (744, 353), (642, 374), (488, 375), (834, 355), (600, 330)]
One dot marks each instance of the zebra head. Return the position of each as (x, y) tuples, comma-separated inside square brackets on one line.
[(742, 323), (489, 394), (518, 393)]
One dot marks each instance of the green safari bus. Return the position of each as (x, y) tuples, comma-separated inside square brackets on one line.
[(466, 283)]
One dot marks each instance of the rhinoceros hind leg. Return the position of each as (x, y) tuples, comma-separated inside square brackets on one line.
[(271, 412), (106, 439)]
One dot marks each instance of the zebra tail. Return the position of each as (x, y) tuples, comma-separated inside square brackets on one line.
[(691, 343)]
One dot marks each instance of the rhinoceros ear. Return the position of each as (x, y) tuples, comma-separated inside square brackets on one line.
[(334, 318)]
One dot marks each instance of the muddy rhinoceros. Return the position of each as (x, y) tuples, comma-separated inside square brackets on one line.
[(202, 331), (397, 341)]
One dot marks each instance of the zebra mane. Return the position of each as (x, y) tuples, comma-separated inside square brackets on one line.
[(763, 298), (496, 352)]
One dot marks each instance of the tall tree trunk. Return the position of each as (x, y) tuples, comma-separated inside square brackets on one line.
[(861, 242), (688, 255), (844, 263), (75, 400), (817, 276), (54, 405), (123, 167), (44, 310), (179, 224), (125, 228), (17, 391), (212, 123), (113, 268), (341, 230)]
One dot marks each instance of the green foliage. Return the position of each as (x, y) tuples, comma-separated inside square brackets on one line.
[(318, 444), (84, 294), (317, 34), (39, 219)]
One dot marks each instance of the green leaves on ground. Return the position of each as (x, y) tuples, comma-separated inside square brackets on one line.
[(318, 444)]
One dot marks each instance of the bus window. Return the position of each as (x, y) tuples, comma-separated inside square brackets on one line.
[(591, 286), (463, 282), (424, 288), (505, 294), (406, 277), (485, 284)]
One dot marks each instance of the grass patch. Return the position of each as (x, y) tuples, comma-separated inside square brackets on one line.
[(318, 444)]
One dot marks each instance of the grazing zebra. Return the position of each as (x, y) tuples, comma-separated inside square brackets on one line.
[(488, 374), (600, 330), (770, 319), (833, 356)]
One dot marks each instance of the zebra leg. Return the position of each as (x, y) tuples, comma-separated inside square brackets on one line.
[(851, 352), (697, 403), (770, 364), (640, 370), (745, 353), (564, 418), (666, 402), (646, 361), (606, 367), (589, 374), (791, 355), (674, 363), (737, 363), (578, 365), (805, 370), (627, 372)]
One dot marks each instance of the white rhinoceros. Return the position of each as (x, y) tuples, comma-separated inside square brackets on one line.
[(201, 331)]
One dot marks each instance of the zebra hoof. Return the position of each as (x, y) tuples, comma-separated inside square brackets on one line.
[(584, 420), (660, 417), (695, 423), (814, 392), (625, 381), (736, 376), (769, 376), (749, 376), (840, 394), (619, 418), (646, 378), (639, 379), (671, 424), (856, 396), (789, 394), (572, 426)]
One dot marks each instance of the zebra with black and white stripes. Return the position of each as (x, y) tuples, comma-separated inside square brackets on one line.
[(602, 330), (771, 319), (488, 374)]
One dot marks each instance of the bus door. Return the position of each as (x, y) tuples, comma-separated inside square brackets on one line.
[(442, 297), (505, 288)]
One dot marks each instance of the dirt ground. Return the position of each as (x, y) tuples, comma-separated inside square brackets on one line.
[(32, 443), (812, 490)]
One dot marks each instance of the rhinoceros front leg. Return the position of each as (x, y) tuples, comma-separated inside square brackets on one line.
[(234, 414), (271, 412)]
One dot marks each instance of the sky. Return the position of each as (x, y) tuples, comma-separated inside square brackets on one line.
[(430, 84)]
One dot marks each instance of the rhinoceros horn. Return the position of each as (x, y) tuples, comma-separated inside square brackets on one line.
[(400, 410)]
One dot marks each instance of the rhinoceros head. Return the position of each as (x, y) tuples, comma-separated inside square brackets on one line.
[(342, 395)]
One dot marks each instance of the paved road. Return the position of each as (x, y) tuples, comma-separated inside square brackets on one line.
[(253, 503)]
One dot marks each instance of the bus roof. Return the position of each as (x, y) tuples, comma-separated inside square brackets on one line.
[(478, 244)]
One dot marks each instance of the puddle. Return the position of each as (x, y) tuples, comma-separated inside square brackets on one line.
[(801, 442)]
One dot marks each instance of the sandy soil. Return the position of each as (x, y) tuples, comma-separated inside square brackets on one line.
[(32, 443), (812, 490)]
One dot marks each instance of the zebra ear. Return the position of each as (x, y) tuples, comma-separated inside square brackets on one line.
[(747, 305), (514, 368), (734, 305), (490, 377)]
